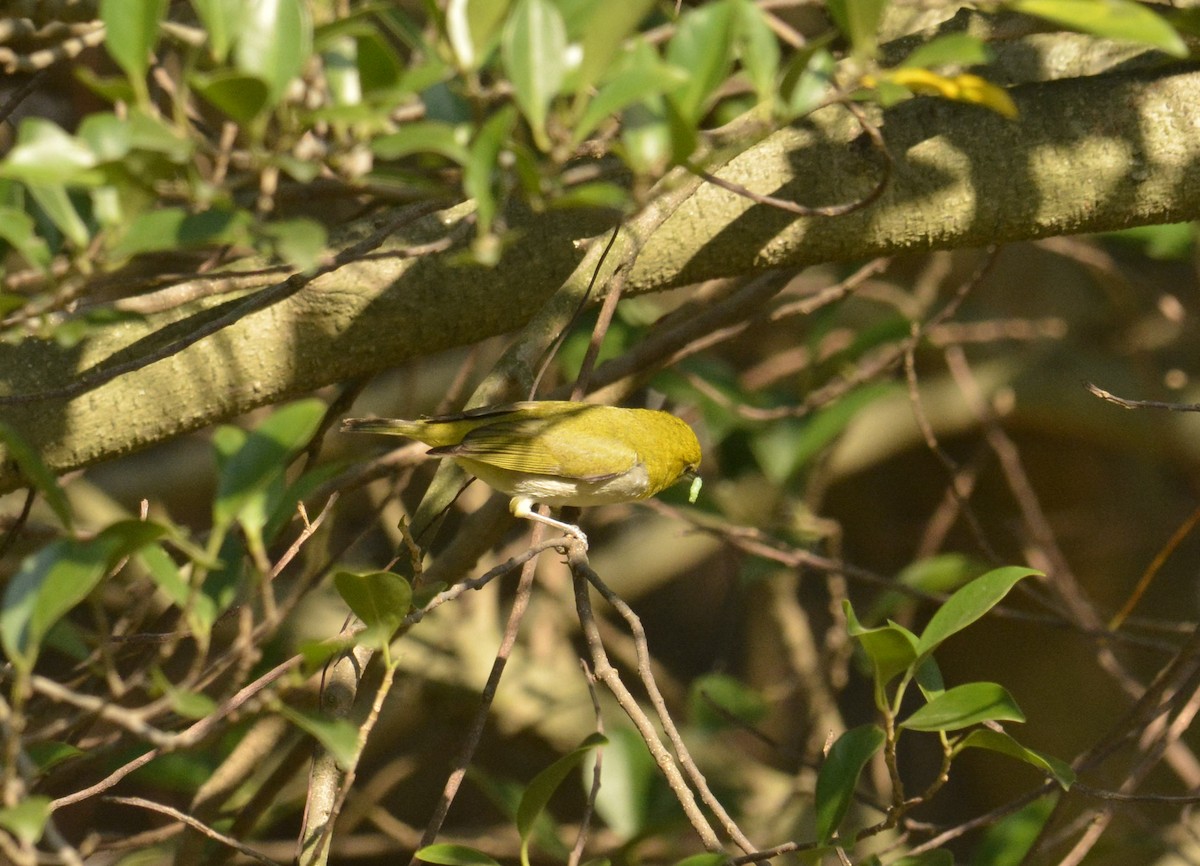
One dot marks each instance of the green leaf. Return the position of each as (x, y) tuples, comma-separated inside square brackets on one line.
[(786, 446), (18, 229), (595, 194), (859, 22), (481, 167), (839, 774), (110, 138), (449, 854), (959, 49), (606, 29), (59, 576), (378, 598), (1114, 19), (534, 46), (703, 45), (941, 573), (27, 820), (963, 706), (337, 736), (173, 228), (471, 25), (45, 153), (709, 858), (199, 609), (1006, 842), (339, 59), (758, 49), (545, 783), (427, 136), (720, 701), (56, 203), (998, 741), (969, 604), (221, 19), (807, 80), (261, 458), (891, 648), (631, 782), (32, 467), (240, 96), (645, 76), (48, 754), (939, 857), (131, 31), (299, 242), (274, 42)]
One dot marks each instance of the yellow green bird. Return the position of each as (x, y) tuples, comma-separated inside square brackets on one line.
[(558, 452)]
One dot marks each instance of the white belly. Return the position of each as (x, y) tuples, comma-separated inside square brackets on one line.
[(555, 490)]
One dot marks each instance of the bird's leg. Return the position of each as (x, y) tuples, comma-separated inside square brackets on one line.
[(523, 507)]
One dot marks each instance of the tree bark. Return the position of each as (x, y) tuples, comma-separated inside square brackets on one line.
[(1087, 154)]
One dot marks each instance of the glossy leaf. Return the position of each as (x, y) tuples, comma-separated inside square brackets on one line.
[(429, 136), (26, 821), (56, 203), (534, 46), (960, 49), (630, 784), (240, 96), (18, 230), (537, 795), (1008, 841), (450, 854), (969, 604), (337, 736), (200, 610), (807, 81), (483, 164), (998, 741), (938, 857), (378, 598), (299, 242), (758, 48), (59, 576), (131, 31), (222, 21), (274, 42), (963, 706), (709, 858), (606, 29), (45, 153), (644, 76), (703, 45), (175, 228), (1114, 19), (471, 25), (262, 458), (646, 138), (838, 777), (891, 648), (48, 754), (720, 701), (859, 22), (39, 475), (339, 59)]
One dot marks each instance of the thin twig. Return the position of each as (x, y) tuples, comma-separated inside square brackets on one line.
[(198, 826), (475, 733), (582, 574)]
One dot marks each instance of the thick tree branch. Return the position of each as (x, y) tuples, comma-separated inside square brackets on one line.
[(1087, 154)]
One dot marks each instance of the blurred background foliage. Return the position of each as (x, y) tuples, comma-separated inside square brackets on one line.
[(880, 432)]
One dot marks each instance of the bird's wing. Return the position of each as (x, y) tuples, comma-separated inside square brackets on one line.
[(531, 445)]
